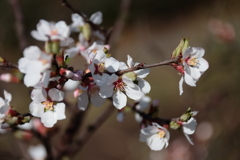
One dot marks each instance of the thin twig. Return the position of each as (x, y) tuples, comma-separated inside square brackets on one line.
[(91, 129), (143, 66), (19, 24), (74, 10), (8, 65), (120, 22)]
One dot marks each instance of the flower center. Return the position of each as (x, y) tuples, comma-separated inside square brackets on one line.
[(93, 89), (192, 61), (119, 85), (161, 134), (54, 32), (100, 68), (48, 105)]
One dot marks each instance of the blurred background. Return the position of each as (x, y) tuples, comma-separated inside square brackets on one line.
[(152, 30)]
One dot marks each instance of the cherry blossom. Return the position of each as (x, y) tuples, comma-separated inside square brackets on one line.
[(89, 91), (34, 64), (37, 152), (194, 66), (155, 136), (4, 105), (51, 31), (119, 87), (48, 109), (143, 103), (137, 75)]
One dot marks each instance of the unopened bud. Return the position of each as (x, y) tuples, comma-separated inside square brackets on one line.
[(174, 125), (131, 75), (7, 77), (184, 44), (86, 31)]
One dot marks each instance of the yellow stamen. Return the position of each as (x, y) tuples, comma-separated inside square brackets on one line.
[(161, 134), (192, 61), (48, 105)]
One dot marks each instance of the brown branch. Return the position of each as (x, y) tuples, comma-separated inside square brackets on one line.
[(19, 24), (8, 65), (120, 22), (144, 66), (91, 129)]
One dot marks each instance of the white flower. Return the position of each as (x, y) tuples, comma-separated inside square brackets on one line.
[(78, 20), (155, 136), (34, 64), (52, 31), (47, 109), (189, 127), (37, 152), (119, 87), (140, 74), (141, 106), (89, 91), (4, 105), (194, 66), (100, 63)]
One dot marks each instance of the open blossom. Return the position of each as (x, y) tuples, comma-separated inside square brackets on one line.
[(90, 91), (194, 66), (4, 105), (155, 136), (78, 20), (137, 75), (101, 63), (49, 30), (143, 103), (189, 127), (48, 109), (37, 152), (34, 64), (119, 87)]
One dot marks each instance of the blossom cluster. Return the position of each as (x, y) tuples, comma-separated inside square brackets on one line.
[(47, 71)]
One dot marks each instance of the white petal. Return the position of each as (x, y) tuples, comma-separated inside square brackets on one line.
[(128, 81), (195, 73), (150, 130), (49, 118), (7, 96), (138, 118), (187, 52), (113, 78), (96, 18), (37, 152), (190, 126), (36, 109), (189, 139), (203, 65), (198, 52), (119, 100), (60, 111), (83, 101), (130, 62), (32, 53), (156, 143), (189, 80), (144, 85), (144, 103), (55, 94), (38, 36), (72, 52), (43, 27), (120, 116), (133, 93), (181, 86), (100, 57), (122, 66), (62, 29), (97, 100), (142, 73), (106, 91), (111, 64), (23, 64), (32, 79), (39, 95)]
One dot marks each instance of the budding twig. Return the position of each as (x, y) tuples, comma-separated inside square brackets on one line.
[(8, 65), (143, 66)]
